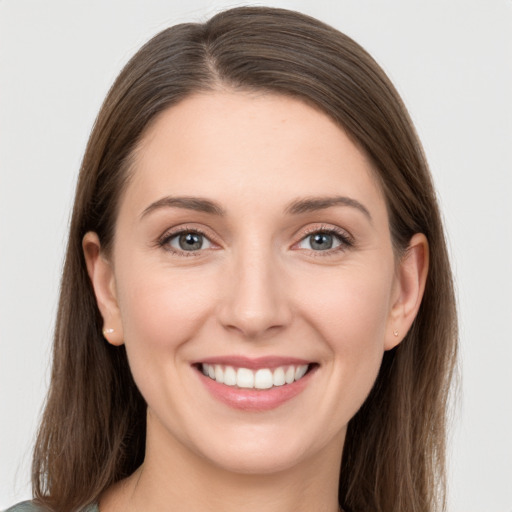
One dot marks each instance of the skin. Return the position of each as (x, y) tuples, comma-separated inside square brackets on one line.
[(256, 288)]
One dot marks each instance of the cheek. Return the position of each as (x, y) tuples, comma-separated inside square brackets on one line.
[(161, 309), (352, 310), (351, 315)]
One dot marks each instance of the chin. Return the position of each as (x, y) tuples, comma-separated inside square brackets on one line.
[(254, 460), (266, 449)]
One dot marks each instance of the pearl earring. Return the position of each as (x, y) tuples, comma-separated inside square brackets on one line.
[(395, 332), (107, 331)]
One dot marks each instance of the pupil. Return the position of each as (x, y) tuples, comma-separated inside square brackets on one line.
[(321, 241), (191, 242)]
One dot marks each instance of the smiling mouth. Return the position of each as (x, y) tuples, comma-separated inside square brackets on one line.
[(260, 379), (255, 384)]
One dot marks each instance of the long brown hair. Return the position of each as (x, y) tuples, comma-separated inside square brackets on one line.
[(93, 429)]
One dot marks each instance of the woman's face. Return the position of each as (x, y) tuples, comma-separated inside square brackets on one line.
[(253, 244)]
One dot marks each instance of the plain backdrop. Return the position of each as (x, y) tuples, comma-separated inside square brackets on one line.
[(452, 62)]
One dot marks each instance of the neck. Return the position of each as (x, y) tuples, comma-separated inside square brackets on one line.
[(173, 477)]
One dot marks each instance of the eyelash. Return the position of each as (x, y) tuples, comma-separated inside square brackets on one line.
[(346, 241), (163, 242)]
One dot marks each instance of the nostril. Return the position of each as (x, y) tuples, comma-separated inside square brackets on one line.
[(252, 330)]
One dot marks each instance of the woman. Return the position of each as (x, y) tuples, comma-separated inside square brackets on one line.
[(257, 308)]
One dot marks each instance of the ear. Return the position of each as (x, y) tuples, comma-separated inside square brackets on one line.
[(411, 276), (102, 278)]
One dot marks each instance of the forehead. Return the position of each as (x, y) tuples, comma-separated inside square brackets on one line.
[(243, 147)]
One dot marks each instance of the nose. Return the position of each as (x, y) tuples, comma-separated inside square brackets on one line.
[(255, 302)]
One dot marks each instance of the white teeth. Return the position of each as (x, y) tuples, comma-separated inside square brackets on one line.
[(301, 371), (219, 374), (230, 376), (264, 378), (244, 378), (278, 377)]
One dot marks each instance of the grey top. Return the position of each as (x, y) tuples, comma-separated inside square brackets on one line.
[(29, 506)]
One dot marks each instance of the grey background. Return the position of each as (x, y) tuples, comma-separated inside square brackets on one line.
[(451, 61)]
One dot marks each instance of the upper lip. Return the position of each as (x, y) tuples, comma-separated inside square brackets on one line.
[(253, 363)]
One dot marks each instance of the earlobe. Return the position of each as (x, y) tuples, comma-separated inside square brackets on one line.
[(411, 279), (102, 279)]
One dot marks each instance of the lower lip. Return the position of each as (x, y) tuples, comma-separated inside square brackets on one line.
[(255, 399)]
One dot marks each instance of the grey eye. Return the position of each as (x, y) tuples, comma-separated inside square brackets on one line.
[(320, 241), (189, 241)]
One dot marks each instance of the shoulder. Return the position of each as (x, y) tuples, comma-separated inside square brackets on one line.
[(25, 506), (29, 506)]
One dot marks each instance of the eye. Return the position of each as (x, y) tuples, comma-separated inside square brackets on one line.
[(189, 241), (324, 240)]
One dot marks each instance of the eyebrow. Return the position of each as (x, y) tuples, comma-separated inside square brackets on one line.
[(197, 204), (297, 207), (312, 204)]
